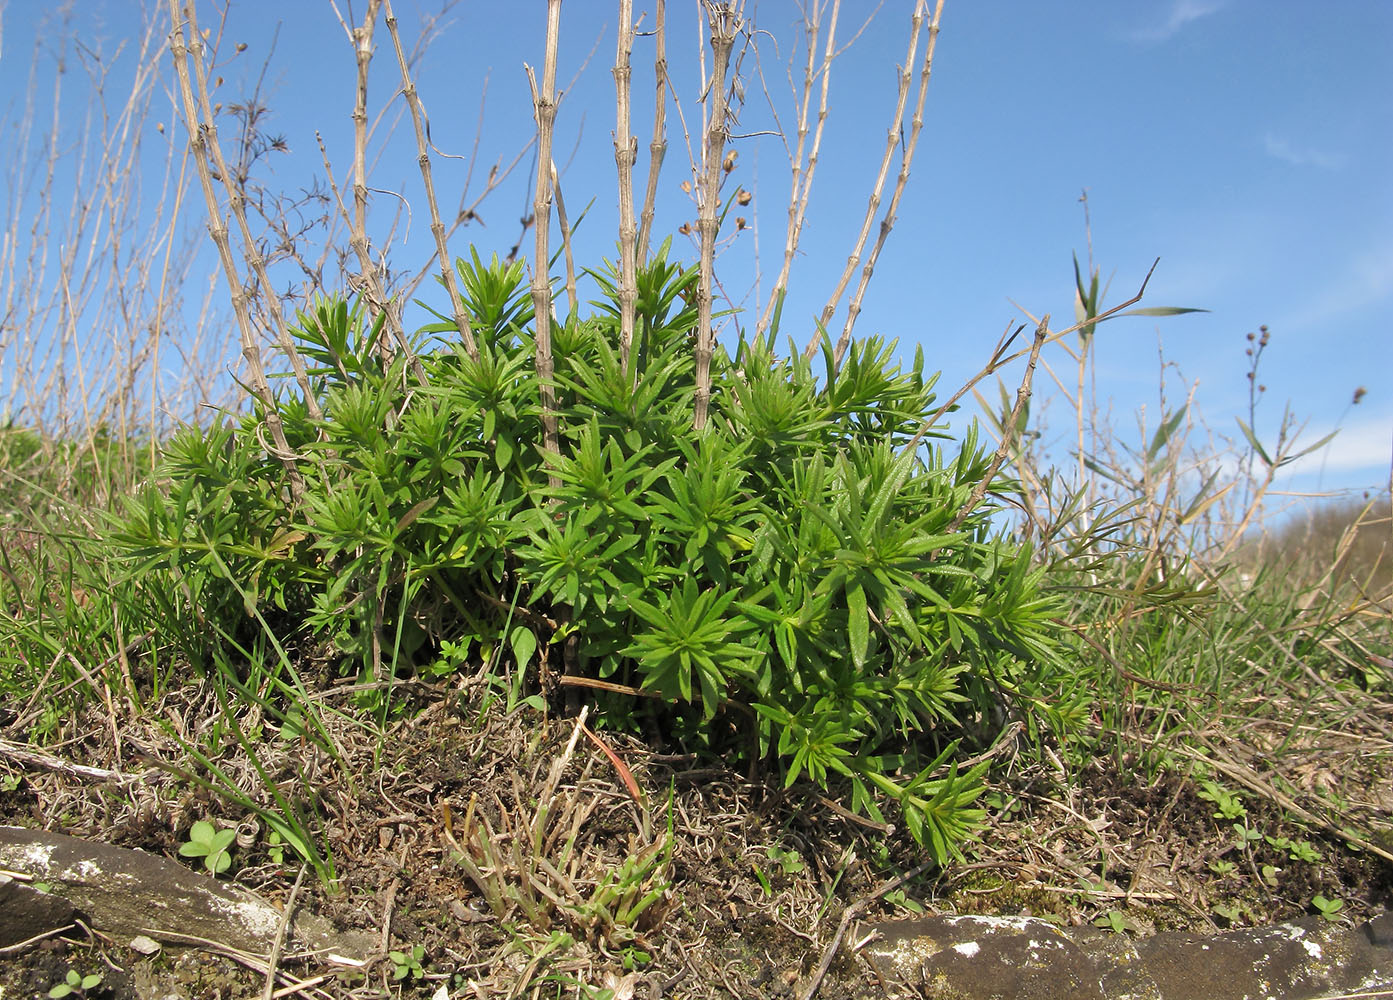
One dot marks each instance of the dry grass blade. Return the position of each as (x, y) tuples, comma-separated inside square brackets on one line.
[(288, 914), (563, 222), (619, 765), (850, 914), (19, 947)]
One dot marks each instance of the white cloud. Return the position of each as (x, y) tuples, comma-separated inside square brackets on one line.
[(1176, 15), (1363, 446), (1301, 156), (1366, 280)]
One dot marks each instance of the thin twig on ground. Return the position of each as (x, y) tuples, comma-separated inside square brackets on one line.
[(287, 917), (850, 914)]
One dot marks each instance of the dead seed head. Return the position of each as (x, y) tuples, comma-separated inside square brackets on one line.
[(1359, 394), (730, 161), (744, 197)]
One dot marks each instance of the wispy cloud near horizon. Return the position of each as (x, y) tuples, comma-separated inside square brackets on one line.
[(1362, 446), (1301, 156), (1364, 280), (1175, 16)]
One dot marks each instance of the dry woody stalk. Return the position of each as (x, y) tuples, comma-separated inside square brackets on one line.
[(657, 148), (437, 228), (802, 182), (725, 22), (625, 152), (894, 135), (544, 109), (203, 138)]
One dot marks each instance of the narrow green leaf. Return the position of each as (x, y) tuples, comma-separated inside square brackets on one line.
[(416, 511), (1306, 451), (524, 644), (858, 624), (1203, 500), (1158, 311), (1164, 432), (502, 452), (1253, 442)]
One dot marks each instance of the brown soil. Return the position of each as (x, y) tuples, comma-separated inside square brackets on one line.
[(747, 893)]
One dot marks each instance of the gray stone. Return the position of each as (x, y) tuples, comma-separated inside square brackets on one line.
[(976, 958), (26, 912), (125, 893)]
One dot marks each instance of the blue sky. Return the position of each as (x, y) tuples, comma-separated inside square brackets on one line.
[(1245, 143)]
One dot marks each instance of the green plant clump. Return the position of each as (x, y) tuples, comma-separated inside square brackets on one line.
[(211, 844), (804, 581), (76, 984), (407, 964)]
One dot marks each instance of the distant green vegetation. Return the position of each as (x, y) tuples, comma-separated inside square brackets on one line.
[(1344, 544)]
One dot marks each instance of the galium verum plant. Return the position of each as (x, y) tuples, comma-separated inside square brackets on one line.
[(790, 584)]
